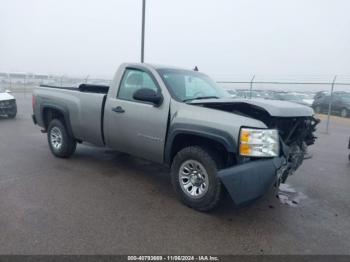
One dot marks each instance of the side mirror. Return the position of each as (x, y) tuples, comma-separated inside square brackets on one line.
[(148, 95), (8, 91)]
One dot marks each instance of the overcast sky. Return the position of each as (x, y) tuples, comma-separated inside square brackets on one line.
[(232, 37)]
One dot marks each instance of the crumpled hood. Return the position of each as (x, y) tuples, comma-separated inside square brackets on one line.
[(273, 107), (6, 96)]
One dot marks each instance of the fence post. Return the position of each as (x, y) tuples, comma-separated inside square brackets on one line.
[(330, 103), (251, 86)]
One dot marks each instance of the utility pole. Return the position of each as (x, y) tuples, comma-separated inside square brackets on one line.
[(143, 31)]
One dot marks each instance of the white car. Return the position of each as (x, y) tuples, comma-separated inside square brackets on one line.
[(8, 106)]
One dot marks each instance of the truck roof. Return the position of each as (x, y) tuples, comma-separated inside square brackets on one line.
[(155, 66)]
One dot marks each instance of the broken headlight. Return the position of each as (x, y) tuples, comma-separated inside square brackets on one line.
[(259, 142)]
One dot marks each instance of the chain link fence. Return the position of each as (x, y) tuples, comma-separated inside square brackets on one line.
[(329, 95)]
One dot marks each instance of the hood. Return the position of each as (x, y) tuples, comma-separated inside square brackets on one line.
[(6, 96), (274, 108)]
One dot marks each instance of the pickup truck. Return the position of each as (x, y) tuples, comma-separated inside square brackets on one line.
[(181, 118)]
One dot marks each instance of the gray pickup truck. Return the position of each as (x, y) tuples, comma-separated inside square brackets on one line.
[(212, 142)]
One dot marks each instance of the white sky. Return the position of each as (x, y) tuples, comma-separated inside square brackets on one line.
[(232, 37)]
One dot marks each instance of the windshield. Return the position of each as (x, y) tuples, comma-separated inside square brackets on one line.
[(187, 85)]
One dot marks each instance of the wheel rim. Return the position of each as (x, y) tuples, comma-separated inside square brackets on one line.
[(56, 138), (193, 178), (343, 113)]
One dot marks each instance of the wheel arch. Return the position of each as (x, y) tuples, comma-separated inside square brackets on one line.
[(49, 112), (211, 138)]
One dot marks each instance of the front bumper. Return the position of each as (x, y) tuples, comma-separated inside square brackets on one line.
[(249, 181)]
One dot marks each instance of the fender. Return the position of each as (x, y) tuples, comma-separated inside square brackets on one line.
[(217, 135), (61, 109)]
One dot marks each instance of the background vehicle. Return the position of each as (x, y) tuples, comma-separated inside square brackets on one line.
[(246, 93), (8, 106), (340, 104), (292, 97), (232, 92), (183, 119)]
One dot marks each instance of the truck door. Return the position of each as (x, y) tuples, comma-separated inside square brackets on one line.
[(135, 127)]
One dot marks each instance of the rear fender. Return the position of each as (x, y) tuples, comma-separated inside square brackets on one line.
[(62, 110)]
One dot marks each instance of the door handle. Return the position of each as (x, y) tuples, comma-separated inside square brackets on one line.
[(118, 109)]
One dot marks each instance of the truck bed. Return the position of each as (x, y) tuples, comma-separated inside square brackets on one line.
[(84, 104)]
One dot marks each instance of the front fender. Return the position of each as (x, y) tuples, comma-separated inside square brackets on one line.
[(220, 136)]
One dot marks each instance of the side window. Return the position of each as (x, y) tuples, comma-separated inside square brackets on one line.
[(132, 81)]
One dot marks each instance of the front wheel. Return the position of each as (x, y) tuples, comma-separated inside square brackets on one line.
[(194, 178), (61, 143)]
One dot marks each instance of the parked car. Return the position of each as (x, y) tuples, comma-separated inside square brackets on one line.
[(8, 106), (246, 93), (340, 104), (232, 92), (292, 97), (307, 98), (183, 119), (320, 94)]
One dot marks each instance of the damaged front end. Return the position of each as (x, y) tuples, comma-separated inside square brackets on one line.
[(296, 135), (253, 176)]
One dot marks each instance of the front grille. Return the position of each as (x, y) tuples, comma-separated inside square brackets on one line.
[(8, 103)]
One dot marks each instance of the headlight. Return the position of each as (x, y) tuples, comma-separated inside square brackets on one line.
[(259, 142)]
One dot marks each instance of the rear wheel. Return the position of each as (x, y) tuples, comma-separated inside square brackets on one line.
[(194, 178), (61, 143)]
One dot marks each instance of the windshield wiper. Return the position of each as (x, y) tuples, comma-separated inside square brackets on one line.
[(199, 97)]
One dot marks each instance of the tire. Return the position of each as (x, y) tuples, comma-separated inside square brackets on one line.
[(60, 142), (201, 197), (344, 112)]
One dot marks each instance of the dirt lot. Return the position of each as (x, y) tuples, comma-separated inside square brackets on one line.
[(104, 202)]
